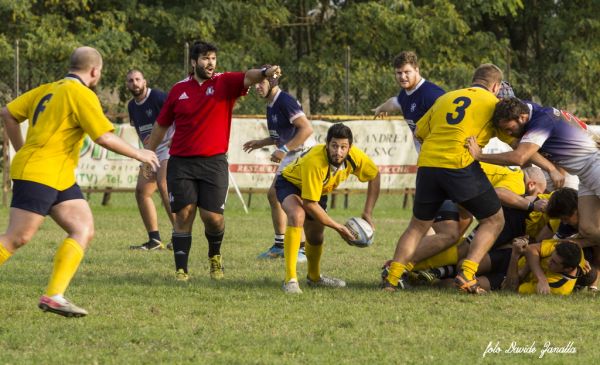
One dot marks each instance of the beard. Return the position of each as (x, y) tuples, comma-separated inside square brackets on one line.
[(137, 93), (333, 163), (201, 73)]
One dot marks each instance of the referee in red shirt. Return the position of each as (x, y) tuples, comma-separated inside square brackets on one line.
[(201, 107)]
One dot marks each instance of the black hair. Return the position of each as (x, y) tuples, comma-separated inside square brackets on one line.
[(340, 131), (200, 48), (509, 109), (570, 253), (562, 203)]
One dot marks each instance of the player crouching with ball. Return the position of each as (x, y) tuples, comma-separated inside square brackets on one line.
[(302, 190)]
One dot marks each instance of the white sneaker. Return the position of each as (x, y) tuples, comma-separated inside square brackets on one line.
[(327, 282), (301, 256), (292, 287), (61, 306)]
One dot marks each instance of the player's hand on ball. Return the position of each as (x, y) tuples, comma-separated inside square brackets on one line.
[(369, 220), (345, 233)]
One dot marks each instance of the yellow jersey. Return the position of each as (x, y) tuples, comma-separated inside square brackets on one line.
[(59, 115), (537, 220), (453, 118), (559, 283), (314, 176), (504, 177)]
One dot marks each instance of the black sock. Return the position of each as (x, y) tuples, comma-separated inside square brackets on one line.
[(214, 242), (444, 271), (154, 235), (182, 243)]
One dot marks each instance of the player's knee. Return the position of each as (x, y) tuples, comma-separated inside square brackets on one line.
[(21, 239), (214, 223), (296, 217)]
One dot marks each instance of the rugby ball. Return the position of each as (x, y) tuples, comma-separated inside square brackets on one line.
[(362, 230)]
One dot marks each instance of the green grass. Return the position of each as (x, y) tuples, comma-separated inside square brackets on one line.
[(140, 315)]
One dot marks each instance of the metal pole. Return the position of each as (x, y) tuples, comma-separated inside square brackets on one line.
[(5, 141), (347, 81), (186, 58)]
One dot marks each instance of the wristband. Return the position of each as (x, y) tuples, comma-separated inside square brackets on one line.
[(284, 148), (530, 207)]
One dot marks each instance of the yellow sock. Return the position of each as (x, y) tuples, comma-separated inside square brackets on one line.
[(313, 258), (469, 269), (66, 262), (395, 272), (410, 266), (447, 257), (291, 246), (4, 254)]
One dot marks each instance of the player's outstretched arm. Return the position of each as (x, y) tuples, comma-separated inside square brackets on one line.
[(114, 143), (257, 143), (373, 188), (314, 209), (12, 129), (532, 254), (256, 75), (390, 106)]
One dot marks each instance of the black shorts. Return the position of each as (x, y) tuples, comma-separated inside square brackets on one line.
[(514, 226), (447, 212), (202, 181), (468, 187), (500, 260), (40, 198), (284, 188)]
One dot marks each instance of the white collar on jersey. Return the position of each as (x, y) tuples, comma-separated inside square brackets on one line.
[(146, 98), (275, 98), (416, 87)]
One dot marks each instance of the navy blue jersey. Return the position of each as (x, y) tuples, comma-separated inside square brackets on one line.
[(560, 135), (415, 103), (143, 115), (280, 116)]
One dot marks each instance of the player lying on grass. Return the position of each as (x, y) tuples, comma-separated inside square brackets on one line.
[(302, 190)]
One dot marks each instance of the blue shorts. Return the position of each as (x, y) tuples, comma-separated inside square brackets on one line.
[(284, 188), (40, 198)]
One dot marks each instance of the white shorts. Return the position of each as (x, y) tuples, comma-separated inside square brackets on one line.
[(587, 169), (288, 159)]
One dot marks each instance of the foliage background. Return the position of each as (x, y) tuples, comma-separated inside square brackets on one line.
[(549, 49)]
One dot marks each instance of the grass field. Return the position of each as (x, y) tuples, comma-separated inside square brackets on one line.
[(140, 315)]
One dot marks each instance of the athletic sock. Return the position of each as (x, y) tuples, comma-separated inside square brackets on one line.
[(66, 262), (444, 271), (154, 235), (214, 242), (4, 254), (395, 272), (278, 241), (469, 269), (291, 245), (313, 257), (182, 243), (410, 266)]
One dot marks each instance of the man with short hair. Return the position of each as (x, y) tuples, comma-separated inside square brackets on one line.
[(201, 107), (563, 139), (290, 131), (60, 114), (447, 171), (302, 189), (416, 96), (143, 110)]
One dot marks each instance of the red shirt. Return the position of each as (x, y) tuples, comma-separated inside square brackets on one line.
[(202, 113)]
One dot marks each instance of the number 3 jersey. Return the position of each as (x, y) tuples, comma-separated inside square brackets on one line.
[(59, 114), (453, 118)]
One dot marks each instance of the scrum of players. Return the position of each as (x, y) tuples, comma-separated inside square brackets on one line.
[(543, 245)]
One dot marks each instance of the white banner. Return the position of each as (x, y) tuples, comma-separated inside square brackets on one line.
[(388, 142)]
